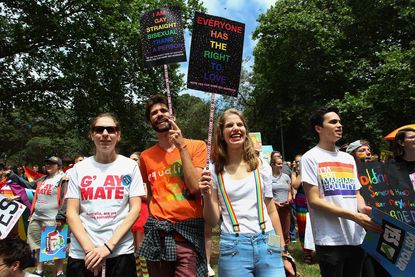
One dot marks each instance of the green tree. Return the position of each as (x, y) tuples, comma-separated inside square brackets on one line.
[(313, 53), (73, 60)]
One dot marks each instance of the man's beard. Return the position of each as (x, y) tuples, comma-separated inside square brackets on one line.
[(162, 129)]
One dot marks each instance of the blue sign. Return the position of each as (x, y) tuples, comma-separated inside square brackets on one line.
[(394, 248)]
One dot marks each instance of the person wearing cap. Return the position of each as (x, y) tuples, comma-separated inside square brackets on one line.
[(360, 150), (45, 206)]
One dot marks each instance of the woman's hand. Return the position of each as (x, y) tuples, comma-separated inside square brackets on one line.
[(95, 258), (288, 267), (205, 183)]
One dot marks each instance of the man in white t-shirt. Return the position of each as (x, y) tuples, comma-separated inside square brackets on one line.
[(338, 212)]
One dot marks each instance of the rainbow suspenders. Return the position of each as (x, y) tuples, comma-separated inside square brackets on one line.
[(260, 203)]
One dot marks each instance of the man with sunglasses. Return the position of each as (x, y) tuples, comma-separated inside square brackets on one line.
[(173, 244)]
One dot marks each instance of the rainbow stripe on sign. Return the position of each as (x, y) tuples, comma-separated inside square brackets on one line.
[(260, 202)]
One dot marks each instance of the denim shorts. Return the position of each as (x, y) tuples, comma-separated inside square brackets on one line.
[(249, 255)]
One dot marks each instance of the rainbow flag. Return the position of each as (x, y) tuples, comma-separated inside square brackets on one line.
[(31, 174), (3, 182)]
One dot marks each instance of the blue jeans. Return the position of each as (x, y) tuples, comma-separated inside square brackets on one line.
[(249, 255)]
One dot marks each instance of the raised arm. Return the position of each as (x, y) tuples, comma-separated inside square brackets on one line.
[(22, 182), (191, 172), (211, 212)]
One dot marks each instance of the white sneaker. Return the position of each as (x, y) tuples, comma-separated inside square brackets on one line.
[(211, 273)]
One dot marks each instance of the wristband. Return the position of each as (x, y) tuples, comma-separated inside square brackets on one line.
[(109, 249)]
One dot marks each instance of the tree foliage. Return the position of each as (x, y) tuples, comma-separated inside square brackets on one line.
[(63, 62), (358, 55)]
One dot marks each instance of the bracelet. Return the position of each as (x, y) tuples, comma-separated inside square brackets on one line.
[(109, 249)]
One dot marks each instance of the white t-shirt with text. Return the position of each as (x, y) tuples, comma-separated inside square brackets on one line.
[(103, 191), (335, 175)]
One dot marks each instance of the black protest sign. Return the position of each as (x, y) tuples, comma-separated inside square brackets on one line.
[(215, 54), (385, 187), (162, 36)]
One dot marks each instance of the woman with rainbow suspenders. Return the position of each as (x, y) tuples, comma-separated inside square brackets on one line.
[(238, 188)]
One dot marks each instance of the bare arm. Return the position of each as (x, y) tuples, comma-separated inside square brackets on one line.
[(275, 219), (211, 212), (75, 224), (191, 173), (276, 224), (22, 182), (318, 203), (295, 180), (94, 258)]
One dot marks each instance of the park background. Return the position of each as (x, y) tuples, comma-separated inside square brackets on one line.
[(63, 62)]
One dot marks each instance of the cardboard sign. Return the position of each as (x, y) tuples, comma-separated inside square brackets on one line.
[(215, 54), (394, 248), (162, 36), (257, 140), (10, 213), (53, 243), (387, 187), (266, 153)]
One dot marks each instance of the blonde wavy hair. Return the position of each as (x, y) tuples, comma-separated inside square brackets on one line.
[(220, 153)]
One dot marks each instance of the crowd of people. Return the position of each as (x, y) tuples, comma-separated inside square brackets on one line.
[(152, 214)]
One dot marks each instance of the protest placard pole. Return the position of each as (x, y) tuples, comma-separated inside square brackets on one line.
[(210, 131), (166, 78)]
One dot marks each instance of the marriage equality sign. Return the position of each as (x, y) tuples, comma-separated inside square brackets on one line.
[(394, 248), (10, 212), (162, 36), (215, 54), (387, 187)]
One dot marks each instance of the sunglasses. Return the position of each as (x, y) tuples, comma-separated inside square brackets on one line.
[(101, 129)]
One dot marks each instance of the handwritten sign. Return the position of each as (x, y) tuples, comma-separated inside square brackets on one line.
[(394, 248), (215, 54), (162, 36), (10, 213), (53, 243), (385, 186)]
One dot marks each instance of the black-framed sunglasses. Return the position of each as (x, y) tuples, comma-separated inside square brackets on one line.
[(100, 129)]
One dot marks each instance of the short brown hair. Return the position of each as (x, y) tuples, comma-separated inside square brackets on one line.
[(156, 99)]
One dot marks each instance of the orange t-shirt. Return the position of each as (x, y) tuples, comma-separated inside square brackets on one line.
[(171, 199)]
